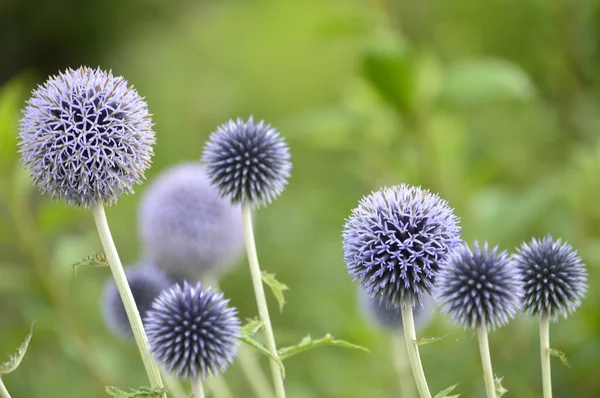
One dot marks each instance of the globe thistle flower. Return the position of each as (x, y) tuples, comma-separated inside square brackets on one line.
[(86, 137), (388, 317), (191, 331), (248, 162), (395, 241), (554, 276), (186, 227), (480, 287), (146, 283)]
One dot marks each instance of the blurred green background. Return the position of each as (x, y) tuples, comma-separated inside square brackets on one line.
[(493, 104)]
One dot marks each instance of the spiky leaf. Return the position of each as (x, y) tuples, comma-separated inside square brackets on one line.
[(251, 327), (429, 340), (560, 355), (308, 343), (276, 287), (15, 359), (444, 393), (500, 390), (142, 392), (94, 260)]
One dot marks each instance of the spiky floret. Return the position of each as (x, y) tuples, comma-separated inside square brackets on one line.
[(247, 161), (146, 283), (192, 331), (480, 287), (86, 137), (186, 227), (554, 276), (395, 241), (380, 313)]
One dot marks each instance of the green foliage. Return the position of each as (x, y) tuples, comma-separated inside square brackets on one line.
[(247, 333), (444, 393), (307, 343), (14, 360), (93, 260), (276, 287), (429, 340), (560, 355), (500, 390), (142, 392)]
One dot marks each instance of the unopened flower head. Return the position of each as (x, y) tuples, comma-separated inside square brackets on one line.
[(248, 162), (396, 240), (192, 332), (146, 283), (480, 287), (554, 276), (186, 227), (86, 137), (389, 317)]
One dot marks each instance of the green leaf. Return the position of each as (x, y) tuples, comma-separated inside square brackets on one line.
[(263, 350), (251, 327), (500, 391), (276, 287), (94, 260), (444, 393), (307, 343), (483, 81), (560, 355), (15, 359), (429, 340), (142, 392)]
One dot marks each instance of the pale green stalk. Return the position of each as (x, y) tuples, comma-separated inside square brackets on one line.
[(253, 373), (402, 365), (3, 391), (410, 337), (261, 301), (545, 353), (486, 361), (174, 388), (219, 387), (198, 388), (133, 314)]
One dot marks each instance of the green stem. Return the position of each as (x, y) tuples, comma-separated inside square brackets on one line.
[(545, 353), (410, 337), (126, 296), (198, 388), (486, 361), (261, 301), (253, 373), (219, 387), (3, 391), (173, 386), (402, 365)]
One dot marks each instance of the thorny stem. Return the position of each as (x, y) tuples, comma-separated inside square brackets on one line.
[(410, 337), (545, 355), (261, 301), (3, 391), (486, 361), (126, 296), (198, 388), (402, 365)]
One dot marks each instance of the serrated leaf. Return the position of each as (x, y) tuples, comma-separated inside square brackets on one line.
[(500, 390), (307, 343), (263, 350), (94, 260), (251, 327), (560, 355), (276, 287), (142, 392), (444, 393), (15, 359), (429, 340)]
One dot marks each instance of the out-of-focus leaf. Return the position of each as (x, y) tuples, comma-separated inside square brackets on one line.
[(308, 343), (11, 95), (276, 287), (15, 359), (15, 278), (500, 390), (94, 260), (484, 81), (142, 392), (429, 340), (388, 65), (560, 355), (444, 393)]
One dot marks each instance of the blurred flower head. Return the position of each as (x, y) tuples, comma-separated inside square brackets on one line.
[(186, 227), (395, 241), (555, 278), (247, 161), (192, 332), (480, 287), (86, 137), (146, 282), (388, 317)]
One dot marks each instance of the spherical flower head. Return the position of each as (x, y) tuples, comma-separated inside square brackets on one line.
[(395, 241), (247, 161), (480, 287), (186, 227), (377, 311), (86, 137), (192, 331), (146, 283), (555, 279)]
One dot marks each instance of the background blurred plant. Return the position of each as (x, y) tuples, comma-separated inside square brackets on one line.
[(492, 104)]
